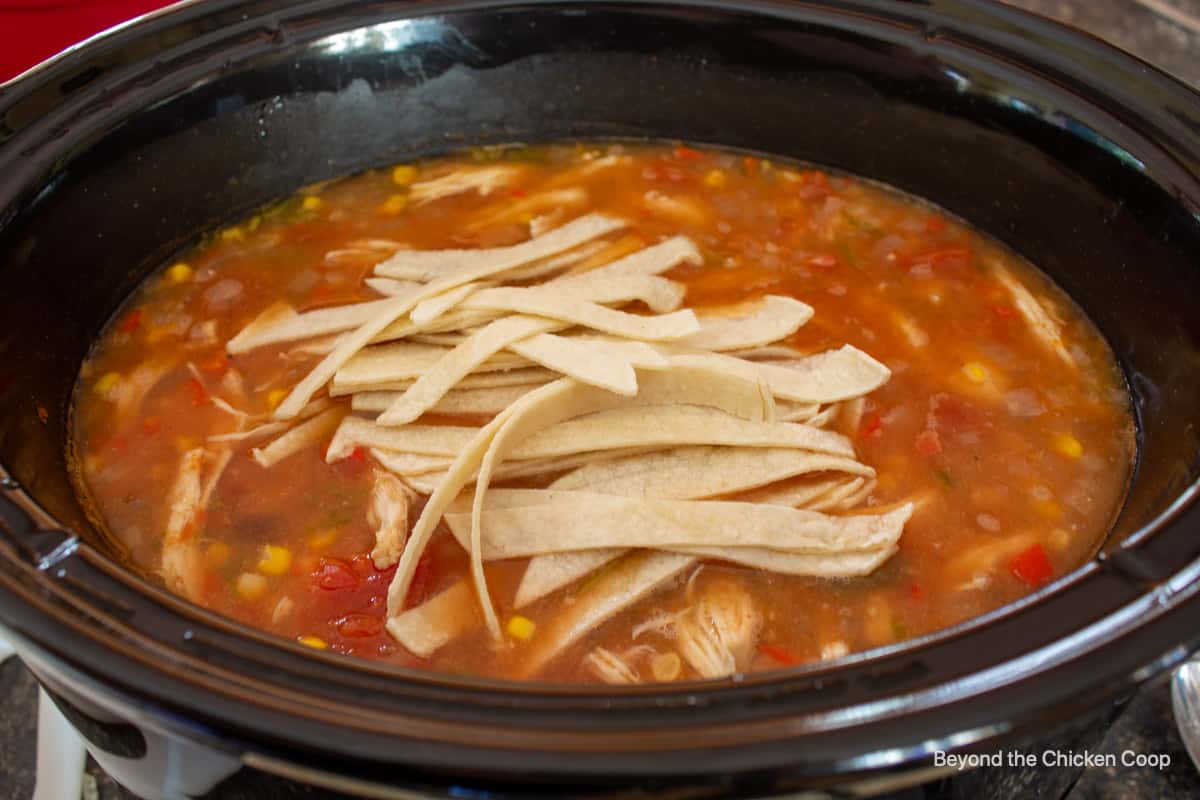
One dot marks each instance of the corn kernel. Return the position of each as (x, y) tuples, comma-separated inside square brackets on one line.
[(234, 234), (185, 443), (394, 204), (315, 642), (520, 627), (275, 560), (179, 273), (1049, 508), (254, 222), (250, 586), (311, 203), (525, 218), (715, 179), (975, 371), (275, 397), (217, 554), (108, 383), (666, 666), (404, 174), (1068, 445), (157, 333), (322, 539)]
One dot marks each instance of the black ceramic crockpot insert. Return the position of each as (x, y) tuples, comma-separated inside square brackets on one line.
[(1082, 159)]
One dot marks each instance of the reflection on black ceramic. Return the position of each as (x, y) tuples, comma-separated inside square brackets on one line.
[(115, 157)]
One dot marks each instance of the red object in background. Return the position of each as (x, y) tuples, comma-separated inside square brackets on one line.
[(31, 31)]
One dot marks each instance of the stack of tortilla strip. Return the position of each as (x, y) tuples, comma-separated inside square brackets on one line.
[(663, 435)]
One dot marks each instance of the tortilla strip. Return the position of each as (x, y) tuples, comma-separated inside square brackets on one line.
[(391, 286), (425, 628), (542, 409), (561, 400), (389, 513), (556, 263), (762, 322), (409, 361), (549, 573), (675, 425), (459, 401), (789, 411), (695, 473), (451, 321), (474, 267), (556, 305), (842, 564), (468, 265), (434, 307), (803, 493), (410, 464), (281, 323), (826, 377), (612, 591), (653, 260), (587, 362), (427, 470), (520, 523), (458, 364), (526, 376), (484, 180), (639, 426), (306, 434)]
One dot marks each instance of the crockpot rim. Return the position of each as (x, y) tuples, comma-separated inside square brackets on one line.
[(1181, 507)]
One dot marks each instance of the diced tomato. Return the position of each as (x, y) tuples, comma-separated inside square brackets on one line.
[(1004, 312), (658, 171), (872, 426), (750, 164), (333, 574), (928, 443), (951, 414), (945, 259), (935, 225), (197, 392), (132, 322), (358, 626), (422, 582), (688, 154), (216, 364), (515, 192), (353, 464), (814, 185), (151, 425), (1032, 566), (779, 654), (358, 454), (915, 592)]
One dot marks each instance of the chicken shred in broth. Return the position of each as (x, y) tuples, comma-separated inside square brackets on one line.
[(602, 413)]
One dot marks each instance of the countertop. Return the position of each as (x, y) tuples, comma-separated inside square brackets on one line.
[(1164, 32)]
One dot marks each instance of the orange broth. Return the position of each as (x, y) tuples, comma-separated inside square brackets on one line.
[(1024, 457)]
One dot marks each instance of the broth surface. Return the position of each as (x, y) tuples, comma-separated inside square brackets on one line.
[(1019, 448)]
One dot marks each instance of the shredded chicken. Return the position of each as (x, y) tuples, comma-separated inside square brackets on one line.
[(610, 667), (389, 514), (718, 638)]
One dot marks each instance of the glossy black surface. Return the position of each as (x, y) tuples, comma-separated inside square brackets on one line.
[(1081, 159)]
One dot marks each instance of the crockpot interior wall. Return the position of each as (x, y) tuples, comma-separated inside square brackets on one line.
[(931, 118)]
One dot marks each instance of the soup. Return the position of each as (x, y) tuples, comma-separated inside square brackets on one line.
[(618, 412)]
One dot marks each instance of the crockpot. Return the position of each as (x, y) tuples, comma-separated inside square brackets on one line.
[(118, 154)]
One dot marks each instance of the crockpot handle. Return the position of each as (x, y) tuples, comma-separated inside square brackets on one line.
[(20, 531)]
